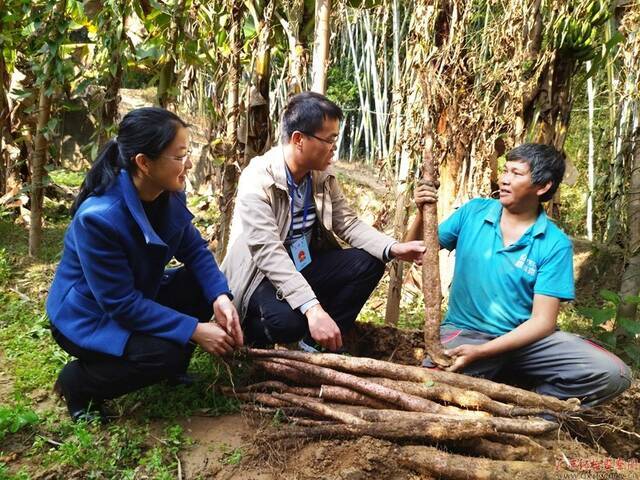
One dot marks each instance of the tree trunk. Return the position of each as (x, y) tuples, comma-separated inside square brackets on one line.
[(38, 162), (591, 158), (402, 166), (109, 109), (297, 70), (321, 46), (431, 264), (41, 142), (5, 122), (392, 313), (630, 285), (258, 127), (231, 166), (553, 102), (167, 77)]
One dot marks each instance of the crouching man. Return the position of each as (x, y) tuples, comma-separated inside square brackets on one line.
[(513, 268), (290, 278)]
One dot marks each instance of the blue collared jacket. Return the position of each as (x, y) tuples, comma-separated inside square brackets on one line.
[(112, 267)]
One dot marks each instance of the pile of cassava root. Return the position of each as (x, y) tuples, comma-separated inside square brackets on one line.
[(336, 396)]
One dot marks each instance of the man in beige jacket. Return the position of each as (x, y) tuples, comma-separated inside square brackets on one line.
[(290, 278)]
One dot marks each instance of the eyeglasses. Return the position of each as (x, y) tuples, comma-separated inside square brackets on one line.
[(181, 158), (323, 140)]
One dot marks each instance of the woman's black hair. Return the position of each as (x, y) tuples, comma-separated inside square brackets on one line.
[(147, 130)]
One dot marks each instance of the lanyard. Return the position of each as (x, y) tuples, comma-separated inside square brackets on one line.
[(307, 199)]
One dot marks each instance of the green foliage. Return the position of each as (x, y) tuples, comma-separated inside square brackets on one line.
[(5, 267), (575, 29), (67, 178), (117, 451), (167, 402), (5, 475), (16, 418), (231, 456), (618, 334), (342, 88)]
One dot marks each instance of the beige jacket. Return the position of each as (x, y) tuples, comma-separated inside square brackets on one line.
[(261, 221)]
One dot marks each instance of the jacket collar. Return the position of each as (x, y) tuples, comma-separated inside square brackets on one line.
[(177, 213)]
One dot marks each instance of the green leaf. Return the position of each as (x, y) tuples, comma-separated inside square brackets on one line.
[(598, 316), (610, 296), (610, 339), (629, 325), (632, 299), (52, 124), (634, 352)]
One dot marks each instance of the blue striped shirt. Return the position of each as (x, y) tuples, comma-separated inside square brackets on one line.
[(301, 193)]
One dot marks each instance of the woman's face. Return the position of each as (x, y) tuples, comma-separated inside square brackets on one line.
[(169, 170)]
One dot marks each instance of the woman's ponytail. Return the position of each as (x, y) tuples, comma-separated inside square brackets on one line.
[(102, 174)]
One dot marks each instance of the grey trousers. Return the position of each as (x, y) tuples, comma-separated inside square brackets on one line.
[(562, 365)]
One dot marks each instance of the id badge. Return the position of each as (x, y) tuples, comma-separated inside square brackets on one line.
[(300, 253)]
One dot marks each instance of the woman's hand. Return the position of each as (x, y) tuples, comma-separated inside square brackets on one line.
[(426, 192), (227, 316), (213, 339)]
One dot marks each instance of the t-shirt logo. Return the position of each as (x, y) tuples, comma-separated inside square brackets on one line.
[(527, 265)]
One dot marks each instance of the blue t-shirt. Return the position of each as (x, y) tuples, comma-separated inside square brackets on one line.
[(493, 285)]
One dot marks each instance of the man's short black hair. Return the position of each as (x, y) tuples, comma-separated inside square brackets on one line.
[(545, 163), (306, 112)]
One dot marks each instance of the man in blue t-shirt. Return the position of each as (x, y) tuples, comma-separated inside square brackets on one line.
[(513, 268)]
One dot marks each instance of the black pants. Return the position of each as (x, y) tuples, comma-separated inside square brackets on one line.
[(95, 376), (342, 281)]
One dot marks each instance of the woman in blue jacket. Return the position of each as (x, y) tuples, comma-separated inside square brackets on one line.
[(128, 321)]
